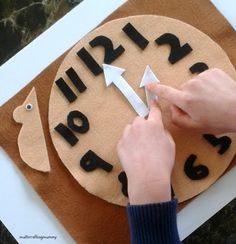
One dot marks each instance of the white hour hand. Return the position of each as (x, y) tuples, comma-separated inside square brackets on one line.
[(113, 74)]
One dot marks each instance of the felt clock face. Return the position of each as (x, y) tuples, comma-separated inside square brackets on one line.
[(87, 117)]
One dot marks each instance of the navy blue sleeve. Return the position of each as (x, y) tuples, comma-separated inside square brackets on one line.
[(153, 223)]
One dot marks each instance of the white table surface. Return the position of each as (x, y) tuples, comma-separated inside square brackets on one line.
[(21, 209)]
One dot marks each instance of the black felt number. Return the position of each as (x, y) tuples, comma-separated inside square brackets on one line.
[(76, 80), (198, 67), (224, 142), (172, 192), (89, 61), (66, 90), (197, 172), (83, 128), (124, 182), (67, 133), (177, 51), (135, 36), (110, 53), (91, 161)]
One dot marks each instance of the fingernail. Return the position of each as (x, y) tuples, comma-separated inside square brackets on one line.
[(150, 86)]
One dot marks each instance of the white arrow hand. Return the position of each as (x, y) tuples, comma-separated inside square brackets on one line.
[(149, 77), (113, 74)]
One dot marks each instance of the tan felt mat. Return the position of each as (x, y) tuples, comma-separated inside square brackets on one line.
[(87, 218)]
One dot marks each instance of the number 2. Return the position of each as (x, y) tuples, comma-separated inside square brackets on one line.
[(177, 51)]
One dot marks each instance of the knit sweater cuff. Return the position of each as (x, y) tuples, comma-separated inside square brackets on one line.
[(153, 223)]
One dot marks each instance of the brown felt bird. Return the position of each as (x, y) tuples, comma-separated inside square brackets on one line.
[(31, 140)]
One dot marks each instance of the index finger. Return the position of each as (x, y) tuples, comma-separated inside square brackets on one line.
[(171, 94)]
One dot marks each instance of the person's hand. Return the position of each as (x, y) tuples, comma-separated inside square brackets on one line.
[(206, 103), (147, 152)]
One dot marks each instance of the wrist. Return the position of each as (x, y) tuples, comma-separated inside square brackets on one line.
[(149, 192)]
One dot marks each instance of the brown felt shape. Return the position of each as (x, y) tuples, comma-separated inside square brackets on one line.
[(31, 141), (88, 219), (105, 106)]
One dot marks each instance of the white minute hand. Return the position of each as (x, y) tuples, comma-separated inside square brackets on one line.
[(113, 74), (149, 77)]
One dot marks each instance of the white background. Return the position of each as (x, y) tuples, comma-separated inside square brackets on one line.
[(21, 209)]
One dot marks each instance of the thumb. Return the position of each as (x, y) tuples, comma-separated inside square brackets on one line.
[(171, 94), (155, 112), (182, 119)]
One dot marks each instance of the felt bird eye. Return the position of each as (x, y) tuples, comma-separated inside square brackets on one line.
[(29, 106)]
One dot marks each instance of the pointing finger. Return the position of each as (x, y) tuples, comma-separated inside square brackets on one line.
[(171, 94)]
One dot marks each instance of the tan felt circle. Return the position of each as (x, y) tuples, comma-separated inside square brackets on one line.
[(108, 111)]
